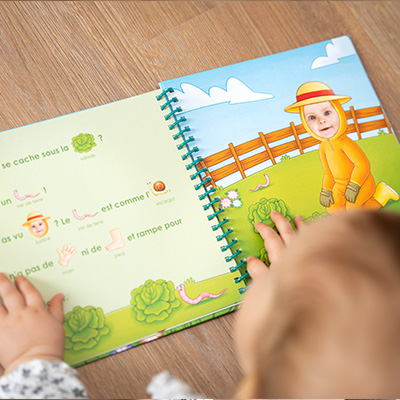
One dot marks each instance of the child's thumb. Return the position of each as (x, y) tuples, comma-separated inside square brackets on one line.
[(56, 307)]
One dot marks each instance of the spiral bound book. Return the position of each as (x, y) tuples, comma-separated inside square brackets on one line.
[(142, 211), (301, 132), (104, 206)]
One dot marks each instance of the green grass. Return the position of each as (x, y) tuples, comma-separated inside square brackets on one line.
[(125, 329), (298, 182)]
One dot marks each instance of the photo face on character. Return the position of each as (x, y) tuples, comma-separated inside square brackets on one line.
[(322, 119), (38, 228)]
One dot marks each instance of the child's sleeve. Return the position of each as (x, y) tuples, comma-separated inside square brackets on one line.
[(39, 379)]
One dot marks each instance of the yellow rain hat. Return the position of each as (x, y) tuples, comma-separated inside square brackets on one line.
[(34, 216), (314, 92)]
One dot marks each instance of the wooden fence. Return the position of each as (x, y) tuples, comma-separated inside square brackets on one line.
[(271, 152)]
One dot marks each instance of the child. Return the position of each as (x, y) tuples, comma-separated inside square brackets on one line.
[(32, 343), (347, 182), (322, 321)]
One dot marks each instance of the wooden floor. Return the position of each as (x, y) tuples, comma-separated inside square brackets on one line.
[(62, 56)]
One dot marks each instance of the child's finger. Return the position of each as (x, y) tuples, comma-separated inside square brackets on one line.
[(3, 311), (31, 295), (12, 298), (272, 241), (256, 268), (56, 307), (299, 222), (283, 225)]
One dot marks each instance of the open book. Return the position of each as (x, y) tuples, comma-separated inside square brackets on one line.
[(142, 211)]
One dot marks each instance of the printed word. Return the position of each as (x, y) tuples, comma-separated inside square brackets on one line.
[(63, 221), (94, 249), (171, 224), (7, 239), (32, 270), (6, 202), (33, 157), (154, 230), (119, 255), (123, 203), (87, 157), (42, 240), (159, 203)]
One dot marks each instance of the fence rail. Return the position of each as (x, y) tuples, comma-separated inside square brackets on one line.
[(270, 152)]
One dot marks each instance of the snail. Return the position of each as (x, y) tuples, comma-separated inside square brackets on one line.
[(158, 188)]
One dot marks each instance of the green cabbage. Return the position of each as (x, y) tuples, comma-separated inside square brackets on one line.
[(260, 212), (84, 327), (83, 143), (154, 301)]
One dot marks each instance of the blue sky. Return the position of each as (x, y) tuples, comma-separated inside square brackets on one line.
[(280, 75)]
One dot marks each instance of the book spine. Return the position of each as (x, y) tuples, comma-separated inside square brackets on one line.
[(188, 141)]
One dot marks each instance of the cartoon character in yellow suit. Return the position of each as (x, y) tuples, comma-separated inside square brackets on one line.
[(347, 182)]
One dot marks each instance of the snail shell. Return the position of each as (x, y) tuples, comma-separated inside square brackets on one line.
[(159, 186)]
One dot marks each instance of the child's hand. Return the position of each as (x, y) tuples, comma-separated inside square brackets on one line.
[(28, 330), (274, 243)]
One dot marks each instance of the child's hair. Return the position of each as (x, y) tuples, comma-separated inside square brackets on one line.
[(334, 328)]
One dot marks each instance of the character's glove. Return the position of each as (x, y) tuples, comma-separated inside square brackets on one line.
[(326, 197), (351, 192)]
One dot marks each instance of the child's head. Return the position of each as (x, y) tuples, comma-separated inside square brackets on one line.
[(37, 224), (327, 323), (322, 119)]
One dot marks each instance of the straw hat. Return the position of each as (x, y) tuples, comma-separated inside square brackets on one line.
[(314, 92), (34, 216)]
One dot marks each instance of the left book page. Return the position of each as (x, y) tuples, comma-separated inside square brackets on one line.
[(100, 206)]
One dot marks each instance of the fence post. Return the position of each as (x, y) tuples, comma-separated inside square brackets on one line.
[(202, 164), (386, 121), (353, 115), (265, 143), (297, 138), (235, 156)]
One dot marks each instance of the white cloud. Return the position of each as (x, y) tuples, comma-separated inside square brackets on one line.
[(192, 97), (339, 48)]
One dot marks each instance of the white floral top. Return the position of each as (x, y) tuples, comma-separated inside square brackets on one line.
[(39, 379)]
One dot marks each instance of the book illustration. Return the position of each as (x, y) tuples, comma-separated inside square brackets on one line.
[(164, 240), (65, 254), (84, 328), (18, 197), (271, 157), (154, 301), (75, 214), (260, 211), (232, 199), (263, 185), (83, 143), (347, 182), (37, 224), (199, 298), (117, 240), (158, 188)]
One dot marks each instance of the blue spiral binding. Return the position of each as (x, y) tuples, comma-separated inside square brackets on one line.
[(200, 172)]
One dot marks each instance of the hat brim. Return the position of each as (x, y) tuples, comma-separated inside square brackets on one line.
[(34, 220), (295, 107)]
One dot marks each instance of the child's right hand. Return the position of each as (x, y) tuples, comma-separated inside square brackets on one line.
[(28, 329), (274, 243)]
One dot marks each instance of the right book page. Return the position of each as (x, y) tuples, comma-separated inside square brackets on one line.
[(301, 132)]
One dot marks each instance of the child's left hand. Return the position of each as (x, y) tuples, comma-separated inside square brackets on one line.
[(28, 329)]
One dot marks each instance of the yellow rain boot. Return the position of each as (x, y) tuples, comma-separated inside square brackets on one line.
[(384, 193)]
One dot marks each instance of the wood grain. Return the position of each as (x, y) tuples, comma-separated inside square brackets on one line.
[(57, 57)]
